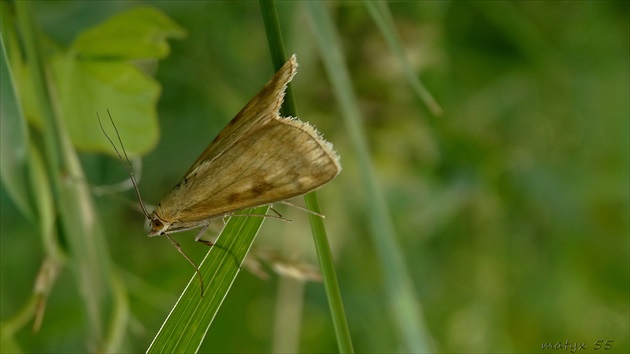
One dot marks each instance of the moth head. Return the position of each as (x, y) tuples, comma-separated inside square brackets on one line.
[(157, 226)]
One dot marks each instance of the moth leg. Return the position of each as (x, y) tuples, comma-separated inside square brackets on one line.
[(275, 212), (301, 208), (179, 249), (201, 233), (263, 216)]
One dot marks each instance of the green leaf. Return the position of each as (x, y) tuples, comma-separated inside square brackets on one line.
[(91, 86), (135, 34), (187, 324), (64, 105), (97, 74)]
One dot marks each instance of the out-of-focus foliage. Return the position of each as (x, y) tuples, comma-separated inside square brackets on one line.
[(512, 208)]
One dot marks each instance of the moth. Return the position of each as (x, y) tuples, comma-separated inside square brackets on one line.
[(259, 158)]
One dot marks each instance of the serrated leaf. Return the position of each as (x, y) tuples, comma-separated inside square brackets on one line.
[(89, 86), (135, 34), (98, 74)]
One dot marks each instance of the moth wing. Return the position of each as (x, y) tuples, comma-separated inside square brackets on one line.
[(279, 160), (263, 107)]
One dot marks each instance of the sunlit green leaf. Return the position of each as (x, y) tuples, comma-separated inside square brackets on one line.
[(88, 87), (135, 34)]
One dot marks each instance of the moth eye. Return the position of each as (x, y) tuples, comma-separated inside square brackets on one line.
[(156, 225)]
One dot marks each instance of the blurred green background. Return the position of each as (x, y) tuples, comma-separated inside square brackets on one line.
[(512, 208)]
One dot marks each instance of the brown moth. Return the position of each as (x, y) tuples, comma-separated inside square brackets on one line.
[(259, 158)]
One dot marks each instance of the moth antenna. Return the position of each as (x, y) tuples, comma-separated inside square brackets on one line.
[(124, 161), (179, 249)]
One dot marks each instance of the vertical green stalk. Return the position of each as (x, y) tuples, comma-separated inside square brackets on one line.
[(276, 47), (401, 296), (89, 257), (384, 20), (327, 267)]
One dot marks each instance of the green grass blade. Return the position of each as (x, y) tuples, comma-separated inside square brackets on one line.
[(342, 332), (401, 296), (189, 320), (274, 36), (13, 137), (383, 17), (81, 228), (327, 267)]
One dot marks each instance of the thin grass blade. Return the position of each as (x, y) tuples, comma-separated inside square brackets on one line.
[(327, 267), (13, 139), (383, 17), (401, 295), (186, 326)]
